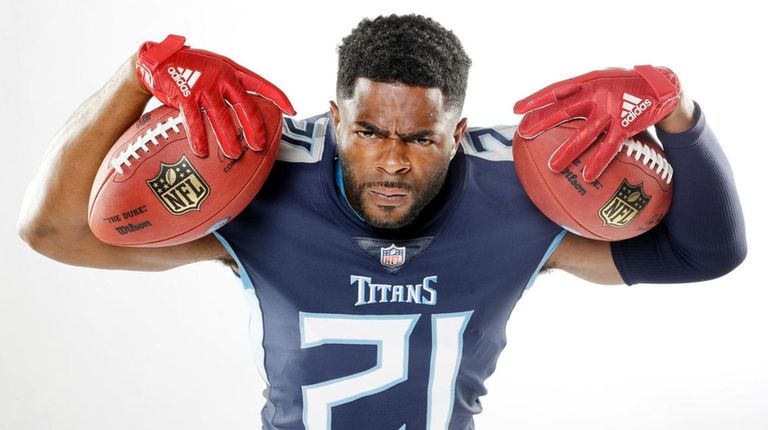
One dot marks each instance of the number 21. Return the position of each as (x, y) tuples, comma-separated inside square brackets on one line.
[(390, 334)]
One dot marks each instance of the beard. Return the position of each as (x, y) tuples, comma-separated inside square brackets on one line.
[(422, 194)]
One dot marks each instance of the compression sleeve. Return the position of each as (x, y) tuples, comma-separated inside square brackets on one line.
[(703, 236)]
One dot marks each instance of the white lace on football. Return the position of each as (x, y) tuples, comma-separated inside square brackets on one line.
[(651, 158), (162, 129)]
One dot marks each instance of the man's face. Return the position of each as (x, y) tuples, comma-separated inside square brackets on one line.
[(395, 143)]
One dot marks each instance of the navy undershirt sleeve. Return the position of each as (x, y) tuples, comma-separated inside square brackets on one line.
[(703, 236)]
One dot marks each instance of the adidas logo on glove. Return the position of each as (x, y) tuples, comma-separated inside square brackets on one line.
[(184, 78), (632, 108)]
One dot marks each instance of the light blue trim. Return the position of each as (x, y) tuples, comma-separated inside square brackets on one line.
[(340, 187), (466, 316), (244, 278), (258, 348), (552, 247)]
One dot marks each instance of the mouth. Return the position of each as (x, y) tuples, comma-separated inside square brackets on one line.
[(386, 196)]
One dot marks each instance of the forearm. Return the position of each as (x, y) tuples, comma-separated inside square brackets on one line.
[(56, 202), (702, 236)]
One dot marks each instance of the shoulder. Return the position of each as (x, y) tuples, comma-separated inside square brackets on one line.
[(489, 143), (491, 179), (487, 154), (301, 172), (304, 140)]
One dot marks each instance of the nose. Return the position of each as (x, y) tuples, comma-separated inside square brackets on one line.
[(394, 160)]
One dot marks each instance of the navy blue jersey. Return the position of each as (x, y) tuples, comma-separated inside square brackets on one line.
[(363, 328)]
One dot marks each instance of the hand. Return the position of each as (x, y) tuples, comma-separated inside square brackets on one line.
[(202, 83), (617, 102)]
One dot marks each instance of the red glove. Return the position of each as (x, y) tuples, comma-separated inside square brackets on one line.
[(199, 82), (617, 102)]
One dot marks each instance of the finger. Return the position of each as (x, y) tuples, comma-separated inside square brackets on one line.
[(195, 127), (607, 148), (249, 116), (575, 145), (255, 84), (546, 96), (223, 126), (540, 120), (563, 89)]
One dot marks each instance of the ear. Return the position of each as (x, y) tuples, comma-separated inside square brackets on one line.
[(335, 115), (461, 128)]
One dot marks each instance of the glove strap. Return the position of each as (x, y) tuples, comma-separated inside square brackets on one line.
[(155, 54), (662, 88)]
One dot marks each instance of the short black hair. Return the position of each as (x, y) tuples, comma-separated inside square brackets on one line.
[(407, 49)]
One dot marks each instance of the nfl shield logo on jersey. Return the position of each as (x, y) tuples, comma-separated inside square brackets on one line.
[(393, 256)]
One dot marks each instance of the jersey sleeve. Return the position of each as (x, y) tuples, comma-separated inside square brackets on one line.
[(703, 235)]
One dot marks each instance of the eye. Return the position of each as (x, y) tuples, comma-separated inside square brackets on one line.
[(365, 134), (423, 141)]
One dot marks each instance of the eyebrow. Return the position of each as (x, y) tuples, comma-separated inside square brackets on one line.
[(410, 136)]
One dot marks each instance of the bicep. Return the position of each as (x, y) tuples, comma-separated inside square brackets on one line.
[(588, 259)]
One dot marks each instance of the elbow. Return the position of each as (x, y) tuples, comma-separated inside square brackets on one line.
[(27, 233), (733, 250), (726, 260), (50, 241), (733, 259), (33, 223), (40, 238), (734, 253)]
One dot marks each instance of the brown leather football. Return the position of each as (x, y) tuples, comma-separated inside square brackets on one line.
[(631, 196), (152, 190)]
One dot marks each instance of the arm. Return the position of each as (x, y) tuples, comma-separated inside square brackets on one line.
[(702, 236), (53, 218), (586, 258)]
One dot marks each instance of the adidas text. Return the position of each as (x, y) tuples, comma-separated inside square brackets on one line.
[(635, 112), (180, 81)]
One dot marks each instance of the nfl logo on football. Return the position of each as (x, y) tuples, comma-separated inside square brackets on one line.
[(393, 256)]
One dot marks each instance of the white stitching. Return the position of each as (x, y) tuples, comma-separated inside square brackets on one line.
[(172, 123), (656, 159)]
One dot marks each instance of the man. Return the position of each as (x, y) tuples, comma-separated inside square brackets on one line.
[(387, 248)]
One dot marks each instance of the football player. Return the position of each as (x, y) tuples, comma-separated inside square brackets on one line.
[(391, 242)]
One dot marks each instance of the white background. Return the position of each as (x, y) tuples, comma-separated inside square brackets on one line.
[(90, 349)]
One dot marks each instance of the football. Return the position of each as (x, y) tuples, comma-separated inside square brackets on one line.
[(631, 196), (152, 190)]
